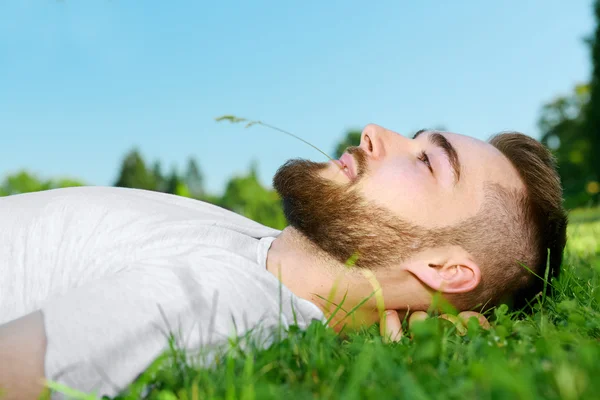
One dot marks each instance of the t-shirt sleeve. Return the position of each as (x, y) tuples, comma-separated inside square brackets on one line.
[(102, 335)]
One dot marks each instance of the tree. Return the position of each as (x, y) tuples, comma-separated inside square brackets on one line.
[(176, 185), (246, 196), (159, 178), (22, 182), (134, 174), (63, 183), (591, 126), (561, 125), (26, 182), (571, 126)]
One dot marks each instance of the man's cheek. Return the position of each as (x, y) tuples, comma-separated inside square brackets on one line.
[(397, 180), (393, 188)]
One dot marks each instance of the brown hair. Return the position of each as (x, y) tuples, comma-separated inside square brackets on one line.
[(517, 229)]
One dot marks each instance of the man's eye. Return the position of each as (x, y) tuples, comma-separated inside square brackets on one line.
[(425, 158)]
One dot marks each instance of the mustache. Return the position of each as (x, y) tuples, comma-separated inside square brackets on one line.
[(360, 156)]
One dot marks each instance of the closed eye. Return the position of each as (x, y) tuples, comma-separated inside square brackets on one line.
[(425, 159)]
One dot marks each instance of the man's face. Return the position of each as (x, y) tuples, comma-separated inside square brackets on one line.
[(392, 192)]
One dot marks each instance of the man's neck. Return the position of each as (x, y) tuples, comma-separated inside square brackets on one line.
[(312, 274)]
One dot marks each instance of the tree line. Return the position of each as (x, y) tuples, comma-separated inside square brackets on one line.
[(244, 194)]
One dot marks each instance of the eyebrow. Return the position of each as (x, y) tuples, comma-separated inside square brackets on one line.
[(439, 140)]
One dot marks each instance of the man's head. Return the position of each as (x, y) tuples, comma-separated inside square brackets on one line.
[(462, 216)]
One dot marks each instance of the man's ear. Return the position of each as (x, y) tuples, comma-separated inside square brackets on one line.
[(446, 269)]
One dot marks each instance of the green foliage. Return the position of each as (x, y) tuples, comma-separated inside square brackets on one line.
[(571, 125), (175, 184), (246, 196), (160, 178), (26, 182), (22, 182), (134, 173), (591, 126), (561, 123)]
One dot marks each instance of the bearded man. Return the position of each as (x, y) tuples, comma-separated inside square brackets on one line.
[(93, 277)]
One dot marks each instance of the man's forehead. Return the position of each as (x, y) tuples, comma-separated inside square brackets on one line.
[(481, 155)]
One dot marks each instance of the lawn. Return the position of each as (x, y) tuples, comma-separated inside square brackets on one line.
[(552, 353)]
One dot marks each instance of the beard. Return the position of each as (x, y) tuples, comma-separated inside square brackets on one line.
[(339, 220)]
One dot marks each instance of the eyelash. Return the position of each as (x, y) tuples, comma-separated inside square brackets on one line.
[(425, 158)]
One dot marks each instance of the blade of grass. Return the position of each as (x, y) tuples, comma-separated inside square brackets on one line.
[(234, 120)]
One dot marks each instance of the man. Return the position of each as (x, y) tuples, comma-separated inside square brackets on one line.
[(93, 277)]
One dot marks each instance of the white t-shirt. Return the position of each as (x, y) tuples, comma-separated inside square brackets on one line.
[(114, 270)]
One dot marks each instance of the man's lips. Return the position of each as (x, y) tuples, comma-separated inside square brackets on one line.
[(347, 161)]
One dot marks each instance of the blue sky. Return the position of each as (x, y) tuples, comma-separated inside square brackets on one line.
[(81, 83)]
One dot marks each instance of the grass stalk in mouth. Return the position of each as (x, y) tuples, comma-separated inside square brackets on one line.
[(249, 123)]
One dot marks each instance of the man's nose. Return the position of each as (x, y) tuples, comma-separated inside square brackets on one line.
[(377, 141)]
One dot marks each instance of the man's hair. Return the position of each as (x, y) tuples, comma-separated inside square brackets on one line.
[(517, 228)]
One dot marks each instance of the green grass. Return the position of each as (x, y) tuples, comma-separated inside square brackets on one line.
[(552, 353)]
